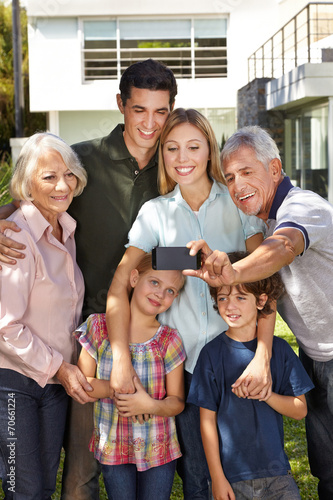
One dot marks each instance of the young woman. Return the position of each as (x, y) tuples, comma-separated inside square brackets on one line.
[(138, 458), (194, 204)]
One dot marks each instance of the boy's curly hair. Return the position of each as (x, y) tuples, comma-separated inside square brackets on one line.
[(272, 286)]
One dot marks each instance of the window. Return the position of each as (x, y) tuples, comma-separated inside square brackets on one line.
[(306, 149), (192, 48)]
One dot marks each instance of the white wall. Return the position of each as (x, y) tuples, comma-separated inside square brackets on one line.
[(55, 49)]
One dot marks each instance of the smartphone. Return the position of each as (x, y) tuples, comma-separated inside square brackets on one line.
[(174, 258)]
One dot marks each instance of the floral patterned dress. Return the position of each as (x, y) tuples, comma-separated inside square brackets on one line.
[(117, 440)]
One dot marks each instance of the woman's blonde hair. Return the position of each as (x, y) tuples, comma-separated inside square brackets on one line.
[(193, 117), (27, 164)]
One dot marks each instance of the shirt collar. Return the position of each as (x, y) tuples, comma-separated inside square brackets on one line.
[(216, 189), (117, 148), (38, 225), (283, 189)]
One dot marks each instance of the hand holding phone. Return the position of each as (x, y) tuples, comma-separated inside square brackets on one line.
[(174, 258)]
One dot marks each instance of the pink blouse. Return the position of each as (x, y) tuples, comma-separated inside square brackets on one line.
[(40, 297)]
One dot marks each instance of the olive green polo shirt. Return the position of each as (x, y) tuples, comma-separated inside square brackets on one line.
[(106, 209)]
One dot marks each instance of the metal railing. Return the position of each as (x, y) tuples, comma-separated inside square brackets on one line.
[(302, 40), (202, 62)]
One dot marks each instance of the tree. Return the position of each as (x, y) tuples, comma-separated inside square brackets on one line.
[(32, 121)]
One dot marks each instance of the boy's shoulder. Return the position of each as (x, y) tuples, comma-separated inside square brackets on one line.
[(281, 345), (214, 346)]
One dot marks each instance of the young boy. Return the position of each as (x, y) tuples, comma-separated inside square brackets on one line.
[(243, 437)]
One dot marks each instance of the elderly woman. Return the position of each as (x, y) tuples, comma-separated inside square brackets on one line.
[(41, 300)]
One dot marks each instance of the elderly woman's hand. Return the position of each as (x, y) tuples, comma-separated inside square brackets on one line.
[(75, 383)]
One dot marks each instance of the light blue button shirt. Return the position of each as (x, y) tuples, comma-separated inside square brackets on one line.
[(169, 221)]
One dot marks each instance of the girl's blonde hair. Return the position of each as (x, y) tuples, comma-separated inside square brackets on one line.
[(145, 265), (193, 117)]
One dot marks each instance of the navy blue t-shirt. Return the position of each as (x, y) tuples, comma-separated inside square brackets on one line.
[(250, 431)]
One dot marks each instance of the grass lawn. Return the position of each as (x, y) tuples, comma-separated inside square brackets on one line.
[(295, 445)]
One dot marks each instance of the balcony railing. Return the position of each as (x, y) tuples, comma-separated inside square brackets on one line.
[(302, 40)]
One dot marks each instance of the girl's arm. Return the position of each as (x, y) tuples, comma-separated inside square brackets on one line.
[(290, 406), (221, 487), (87, 365), (142, 403), (117, 321)]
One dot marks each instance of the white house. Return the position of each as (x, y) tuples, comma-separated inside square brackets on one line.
[(79, 48)]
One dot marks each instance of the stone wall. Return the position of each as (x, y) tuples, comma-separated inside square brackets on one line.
[(251, 110)]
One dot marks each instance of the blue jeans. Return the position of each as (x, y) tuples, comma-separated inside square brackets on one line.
[(192, 466), (268, 488), (319, 423), (32, 423), (126, 482)]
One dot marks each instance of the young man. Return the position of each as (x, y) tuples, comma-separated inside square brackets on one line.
[(299, 243), (122, 175)]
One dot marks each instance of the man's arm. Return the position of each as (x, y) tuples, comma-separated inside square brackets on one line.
[(8, 246), (272, 254), (117, 321), (256, 381), (7, 210)]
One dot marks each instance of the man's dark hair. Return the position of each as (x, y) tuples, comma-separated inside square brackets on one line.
[(148, 74)]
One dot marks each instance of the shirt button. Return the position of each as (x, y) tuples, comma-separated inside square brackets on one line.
[(203, 333), (202, 294), (136, 172), (203, 313)]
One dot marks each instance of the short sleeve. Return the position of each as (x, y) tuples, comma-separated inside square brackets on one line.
[(144, 233), (308, 213), (252, 225), (204, 390), (294, 381), (174, 352), (89, 334)]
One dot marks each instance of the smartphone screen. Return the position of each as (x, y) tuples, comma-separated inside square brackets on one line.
[(174, 258)]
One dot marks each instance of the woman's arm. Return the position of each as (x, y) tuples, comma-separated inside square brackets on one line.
[(21, 347), (142, 403), (290, 406), (256, 380), (221, 487), (117, 321)]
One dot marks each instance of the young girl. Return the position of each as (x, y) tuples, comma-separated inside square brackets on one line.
[(138, 455), (243, 437)]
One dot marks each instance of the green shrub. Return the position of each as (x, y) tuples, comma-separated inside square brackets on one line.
[(5, 173)]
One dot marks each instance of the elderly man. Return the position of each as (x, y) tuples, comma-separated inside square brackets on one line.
[(299, 244)]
